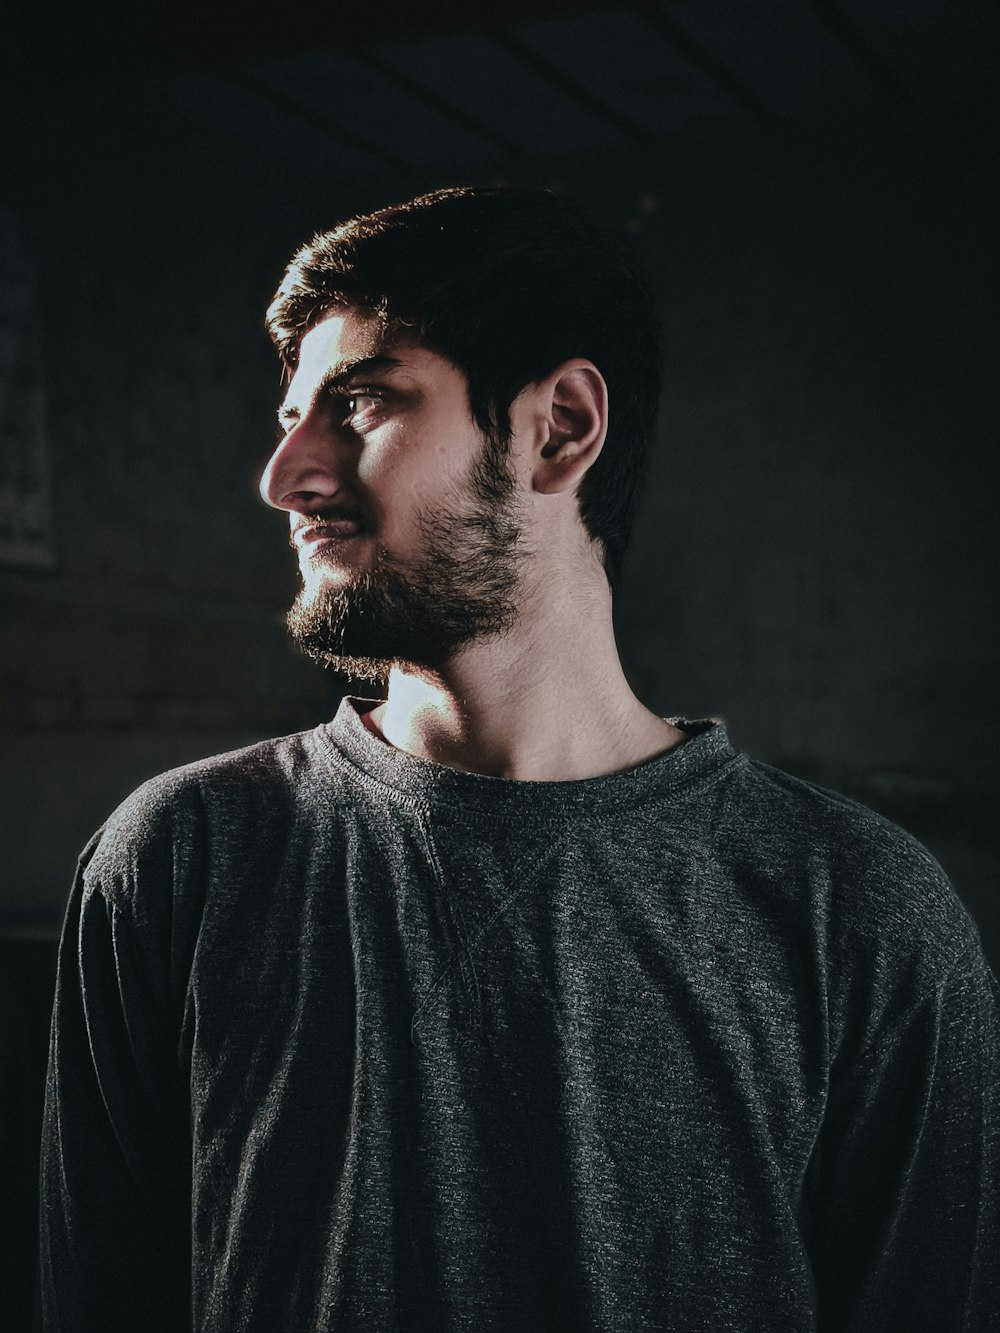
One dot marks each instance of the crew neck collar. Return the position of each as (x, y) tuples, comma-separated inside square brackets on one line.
[(415, 781)]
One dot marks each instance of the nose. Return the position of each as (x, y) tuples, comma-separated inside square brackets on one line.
[(303, 472)]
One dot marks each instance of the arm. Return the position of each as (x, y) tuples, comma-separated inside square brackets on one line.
[(115, 1168), (906, 1214)]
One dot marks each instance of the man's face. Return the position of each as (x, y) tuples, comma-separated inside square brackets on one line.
[(404, 515)]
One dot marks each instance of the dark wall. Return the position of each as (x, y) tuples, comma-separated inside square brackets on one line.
[(814, 561), (159, 636), (817, 557)]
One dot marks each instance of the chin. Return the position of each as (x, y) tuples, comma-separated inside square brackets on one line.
[(373, 670), (331, 624), (320, 574)]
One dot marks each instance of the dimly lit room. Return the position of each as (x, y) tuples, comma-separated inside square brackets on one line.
[(810, 187)]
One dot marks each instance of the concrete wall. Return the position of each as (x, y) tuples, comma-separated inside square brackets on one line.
[(815, 558)]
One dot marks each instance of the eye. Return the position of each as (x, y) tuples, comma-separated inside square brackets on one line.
[(356, 406), (348, 408)]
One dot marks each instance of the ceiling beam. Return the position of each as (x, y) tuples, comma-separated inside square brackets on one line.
[(438, 103), (570, 87), (708, 63), (315, 119), (850, 37), (222, 31)]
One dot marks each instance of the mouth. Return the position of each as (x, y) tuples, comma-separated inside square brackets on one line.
[(320, 536)]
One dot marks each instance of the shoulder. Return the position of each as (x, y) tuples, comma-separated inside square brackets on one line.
[(810, 815), (870, 882), (191, 813), (862, 898)]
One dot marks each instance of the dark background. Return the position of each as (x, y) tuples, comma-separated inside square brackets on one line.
[(813, 187)]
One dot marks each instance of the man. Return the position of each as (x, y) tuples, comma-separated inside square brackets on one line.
[(500, 1002)]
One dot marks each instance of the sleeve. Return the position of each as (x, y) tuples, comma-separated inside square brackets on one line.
[(115, 1158), (906, 1224)]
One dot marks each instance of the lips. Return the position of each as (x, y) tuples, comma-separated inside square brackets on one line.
[(333, 530)]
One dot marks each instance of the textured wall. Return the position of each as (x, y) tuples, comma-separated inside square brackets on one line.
[(815, 560)]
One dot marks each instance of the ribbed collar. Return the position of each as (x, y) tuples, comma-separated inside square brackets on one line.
[(423, 782)]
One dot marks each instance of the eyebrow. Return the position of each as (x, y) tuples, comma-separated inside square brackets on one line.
[(339, 375)]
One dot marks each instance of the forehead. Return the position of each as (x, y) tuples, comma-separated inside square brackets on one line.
[(331, 349), (347, 336)]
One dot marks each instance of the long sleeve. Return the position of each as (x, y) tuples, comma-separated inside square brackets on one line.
[(737, 1067), (907, 1219), (115, 1175)]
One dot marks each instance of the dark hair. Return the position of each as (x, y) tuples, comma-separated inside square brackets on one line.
[(506, 284)]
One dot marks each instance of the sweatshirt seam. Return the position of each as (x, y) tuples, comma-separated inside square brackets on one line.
[(932, 996), (681, 792), (472, 943), (458, 920), (681, 789), (93, 886), (868, 875), (881, 1046)]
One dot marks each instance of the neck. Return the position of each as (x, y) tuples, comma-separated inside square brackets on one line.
[(549, 701)]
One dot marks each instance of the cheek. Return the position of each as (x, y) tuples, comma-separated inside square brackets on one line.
[(383, 456), (396, 476), (403, 459)]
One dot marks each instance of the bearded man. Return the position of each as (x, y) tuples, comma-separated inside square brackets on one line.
[(501, 1003)]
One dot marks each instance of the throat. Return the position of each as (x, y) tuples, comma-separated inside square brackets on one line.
[(522, 748)]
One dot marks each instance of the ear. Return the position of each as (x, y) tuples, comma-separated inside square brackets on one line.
[(572, 407)]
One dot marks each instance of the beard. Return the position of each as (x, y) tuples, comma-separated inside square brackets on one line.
[(461, 588)]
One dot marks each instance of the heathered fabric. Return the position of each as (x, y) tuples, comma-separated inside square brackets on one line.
[(693, 1047)]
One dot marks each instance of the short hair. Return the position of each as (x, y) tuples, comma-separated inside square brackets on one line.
[(506, 284)]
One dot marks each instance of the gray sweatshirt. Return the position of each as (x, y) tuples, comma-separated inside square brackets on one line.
[(347, 1040)]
